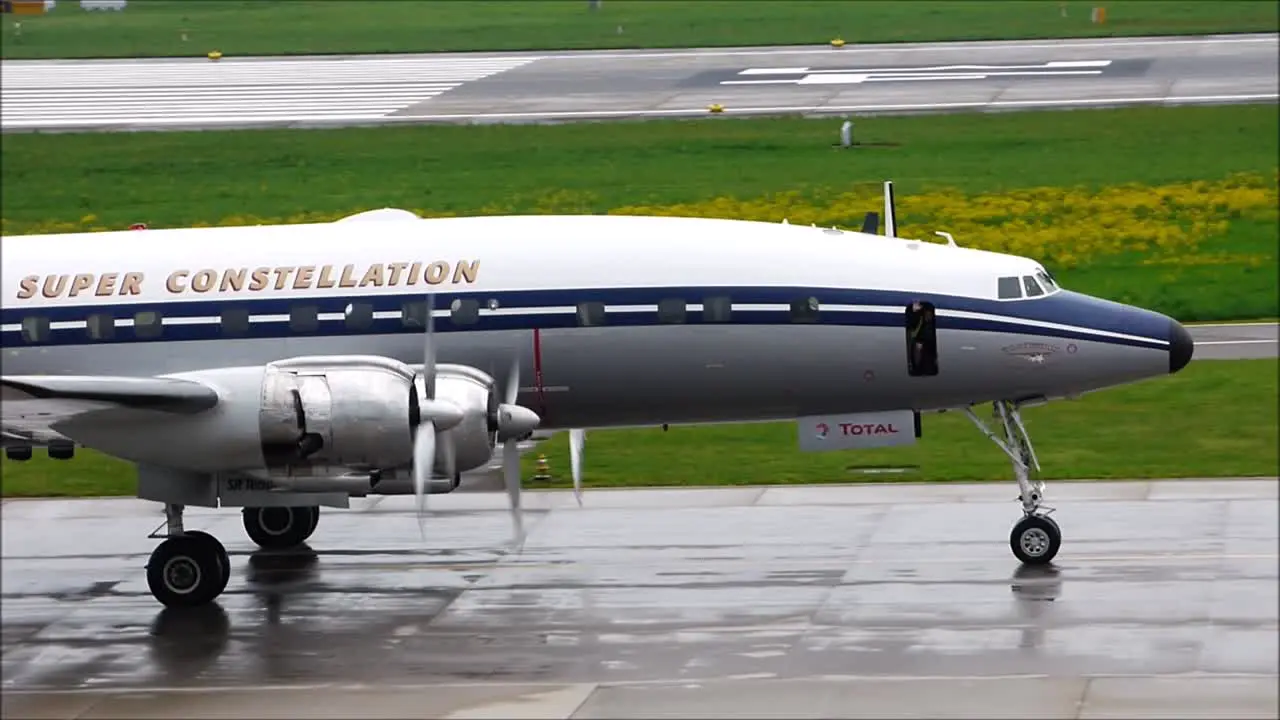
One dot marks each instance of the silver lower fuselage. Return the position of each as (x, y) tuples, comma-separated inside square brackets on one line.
[(627, 376)]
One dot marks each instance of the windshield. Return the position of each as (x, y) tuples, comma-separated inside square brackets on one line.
[(1017, 287)]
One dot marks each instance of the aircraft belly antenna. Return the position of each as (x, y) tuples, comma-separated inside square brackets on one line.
[(890, 214)]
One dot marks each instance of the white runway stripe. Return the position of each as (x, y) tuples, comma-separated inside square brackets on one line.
[(177, 92)]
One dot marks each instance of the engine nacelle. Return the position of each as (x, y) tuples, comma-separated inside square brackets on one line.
[(323, 416), (331, 413), (472, 391)]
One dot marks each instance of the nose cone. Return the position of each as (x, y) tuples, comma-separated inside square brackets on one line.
[(1181, 346)]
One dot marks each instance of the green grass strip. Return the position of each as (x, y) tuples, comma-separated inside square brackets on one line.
[(149, 28)]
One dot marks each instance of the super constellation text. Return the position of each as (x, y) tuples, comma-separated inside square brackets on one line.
[(296, 277)]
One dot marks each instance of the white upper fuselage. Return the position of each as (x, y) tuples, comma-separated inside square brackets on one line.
[(512, 253)]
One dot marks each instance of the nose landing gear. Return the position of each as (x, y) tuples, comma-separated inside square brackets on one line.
[(1036, 538)]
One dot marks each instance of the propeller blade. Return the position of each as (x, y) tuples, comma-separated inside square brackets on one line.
[(513, 381), (429, 350), (577, 438), (511, 475), (424, 450)]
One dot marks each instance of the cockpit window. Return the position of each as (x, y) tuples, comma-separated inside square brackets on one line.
[(1008, 288), (1047, 280), (1033, 287)]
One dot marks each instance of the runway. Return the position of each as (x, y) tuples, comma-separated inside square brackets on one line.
[(798, 602), (540, 87), (1238, 341)]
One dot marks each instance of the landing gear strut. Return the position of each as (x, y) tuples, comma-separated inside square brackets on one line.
[(277, 528), (1035, 538), (188, 568)]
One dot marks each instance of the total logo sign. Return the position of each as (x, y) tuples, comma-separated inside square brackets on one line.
[(845, 428), (861, 430)]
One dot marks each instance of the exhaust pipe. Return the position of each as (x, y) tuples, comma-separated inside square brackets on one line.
[(360, 486)]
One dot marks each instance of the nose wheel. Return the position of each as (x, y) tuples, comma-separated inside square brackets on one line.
[(1035, 540)]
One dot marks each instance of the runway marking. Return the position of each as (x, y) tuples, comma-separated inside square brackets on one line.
[(836, 76), (42, 94), (1232, 325)]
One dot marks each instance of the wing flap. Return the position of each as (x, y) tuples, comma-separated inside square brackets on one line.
[(31, 405), (141, 393)]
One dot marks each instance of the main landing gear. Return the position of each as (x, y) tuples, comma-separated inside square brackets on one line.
[(189, 568), (1036, 538), (275, 528)]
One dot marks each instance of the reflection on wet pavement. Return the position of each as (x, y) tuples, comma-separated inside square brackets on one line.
[(659, 586)]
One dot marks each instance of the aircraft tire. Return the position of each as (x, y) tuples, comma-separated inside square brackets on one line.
[(275, 528), (224, 561), (315, 520), (186, 571), (1035, 540)]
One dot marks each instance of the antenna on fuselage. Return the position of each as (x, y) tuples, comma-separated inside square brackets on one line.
[(890, 214), (871, 223)]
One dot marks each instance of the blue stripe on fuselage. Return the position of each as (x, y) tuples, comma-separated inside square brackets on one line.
[(1064, 307)]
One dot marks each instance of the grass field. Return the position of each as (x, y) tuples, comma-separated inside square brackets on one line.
[(1216, 418), (1173, 209), (258, 27)]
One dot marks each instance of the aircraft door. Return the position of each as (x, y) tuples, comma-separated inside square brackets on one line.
[(922, 339)]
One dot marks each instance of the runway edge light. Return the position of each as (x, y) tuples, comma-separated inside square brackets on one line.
[(837, 43)]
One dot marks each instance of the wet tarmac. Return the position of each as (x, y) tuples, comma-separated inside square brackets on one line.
[(871, 601)]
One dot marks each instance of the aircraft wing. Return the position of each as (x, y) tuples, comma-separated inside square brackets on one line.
[(31, 405)]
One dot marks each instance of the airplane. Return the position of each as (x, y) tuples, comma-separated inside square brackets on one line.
[(284, 368)]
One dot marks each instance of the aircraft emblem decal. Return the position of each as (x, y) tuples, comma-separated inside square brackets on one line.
[(1033, 352)]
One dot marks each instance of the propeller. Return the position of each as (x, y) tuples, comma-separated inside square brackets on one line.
[(436, 417), (510, 422), (577, 438)]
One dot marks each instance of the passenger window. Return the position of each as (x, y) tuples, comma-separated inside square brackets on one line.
[(590, 314), (464, 312), (304, 318), (804, 310), (922, 340), (35, 329), (235, 321), (1033, 288), (102, 326), (358, 316), (414, 314), (671, 310), (147, 324), (1008, 288), (717, 309)]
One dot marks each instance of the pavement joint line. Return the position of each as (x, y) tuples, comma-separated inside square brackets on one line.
[(540, 684)]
